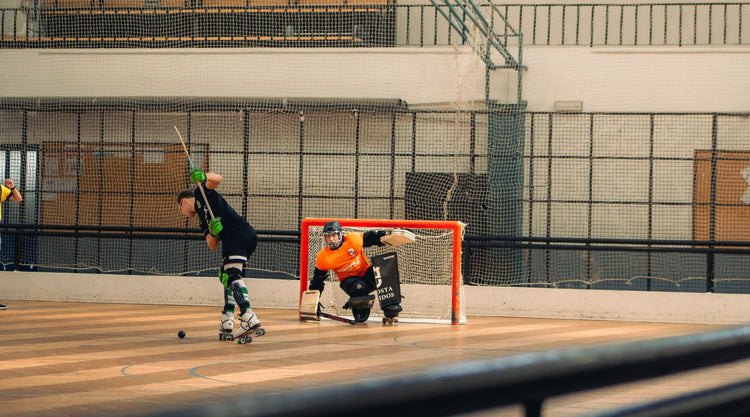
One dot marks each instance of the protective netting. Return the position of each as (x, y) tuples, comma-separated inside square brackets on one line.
[(425, 267), (651, 177), (87, 128), (644, 177)]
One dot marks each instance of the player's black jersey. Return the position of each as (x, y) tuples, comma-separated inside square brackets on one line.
[(235, 226)]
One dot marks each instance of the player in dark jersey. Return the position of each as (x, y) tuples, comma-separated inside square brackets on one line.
[(238, 240), (344, 256)]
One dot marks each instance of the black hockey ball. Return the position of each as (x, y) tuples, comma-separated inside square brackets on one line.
[(181, 334)]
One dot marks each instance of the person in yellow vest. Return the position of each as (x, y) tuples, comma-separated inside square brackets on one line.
[(8, 191)]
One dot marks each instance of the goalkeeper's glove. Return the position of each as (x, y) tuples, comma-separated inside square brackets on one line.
[(215, 227), (196, 175)]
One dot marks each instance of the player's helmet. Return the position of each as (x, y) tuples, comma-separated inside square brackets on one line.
[(333, 228)]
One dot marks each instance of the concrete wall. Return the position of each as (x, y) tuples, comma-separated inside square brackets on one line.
[(605, 79), (479, 301), (639, 79), (252, 72)]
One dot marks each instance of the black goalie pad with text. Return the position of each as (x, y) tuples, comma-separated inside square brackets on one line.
[(385, 267)]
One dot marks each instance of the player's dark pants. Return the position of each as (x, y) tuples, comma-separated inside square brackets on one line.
[(242, 243), (359, 286)]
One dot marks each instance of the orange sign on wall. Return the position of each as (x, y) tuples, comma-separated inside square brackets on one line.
[(723, 177)]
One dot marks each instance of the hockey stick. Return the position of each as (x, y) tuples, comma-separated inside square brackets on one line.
[(192, 165), (310, 308), (337, 318)]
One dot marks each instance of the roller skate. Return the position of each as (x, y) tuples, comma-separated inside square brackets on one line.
[(226, 326), (390, 314), (249, 327)]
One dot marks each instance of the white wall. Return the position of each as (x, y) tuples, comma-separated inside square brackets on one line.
[(642, 79), (479, 301), (253, 72), (605, 79)]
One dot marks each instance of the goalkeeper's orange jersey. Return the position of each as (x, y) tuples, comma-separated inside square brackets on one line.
[(347, 261)]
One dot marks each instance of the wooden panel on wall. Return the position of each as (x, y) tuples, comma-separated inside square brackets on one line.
[(732, 214), (110, 186)]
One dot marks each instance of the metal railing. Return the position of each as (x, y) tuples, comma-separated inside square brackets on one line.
[(528, 379), (591, 24), (650, 247)]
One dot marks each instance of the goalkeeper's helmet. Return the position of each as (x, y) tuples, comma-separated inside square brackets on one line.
[(333, 234)]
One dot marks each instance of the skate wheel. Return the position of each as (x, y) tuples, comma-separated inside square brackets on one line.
[(259, 332), (385, 320), (244, 340)]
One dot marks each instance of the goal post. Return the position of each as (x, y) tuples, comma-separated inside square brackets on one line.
[(429, 267)]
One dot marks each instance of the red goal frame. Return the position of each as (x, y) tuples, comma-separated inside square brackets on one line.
[(454, 226)]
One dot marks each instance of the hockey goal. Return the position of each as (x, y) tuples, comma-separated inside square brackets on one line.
[(429, 268)]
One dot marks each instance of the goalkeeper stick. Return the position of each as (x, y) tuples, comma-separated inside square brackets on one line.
[(192, 166)]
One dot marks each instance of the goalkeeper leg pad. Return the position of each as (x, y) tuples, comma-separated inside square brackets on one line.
[(365, 301), (389, 289), (361, 306), (361, 314)]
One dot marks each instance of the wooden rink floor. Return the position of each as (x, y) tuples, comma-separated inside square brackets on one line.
[(86, 359)]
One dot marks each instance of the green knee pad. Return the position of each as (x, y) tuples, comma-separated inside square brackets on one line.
[(224, 278)]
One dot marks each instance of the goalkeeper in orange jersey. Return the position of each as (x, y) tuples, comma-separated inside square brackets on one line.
[(343, 254), (219, 222)]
